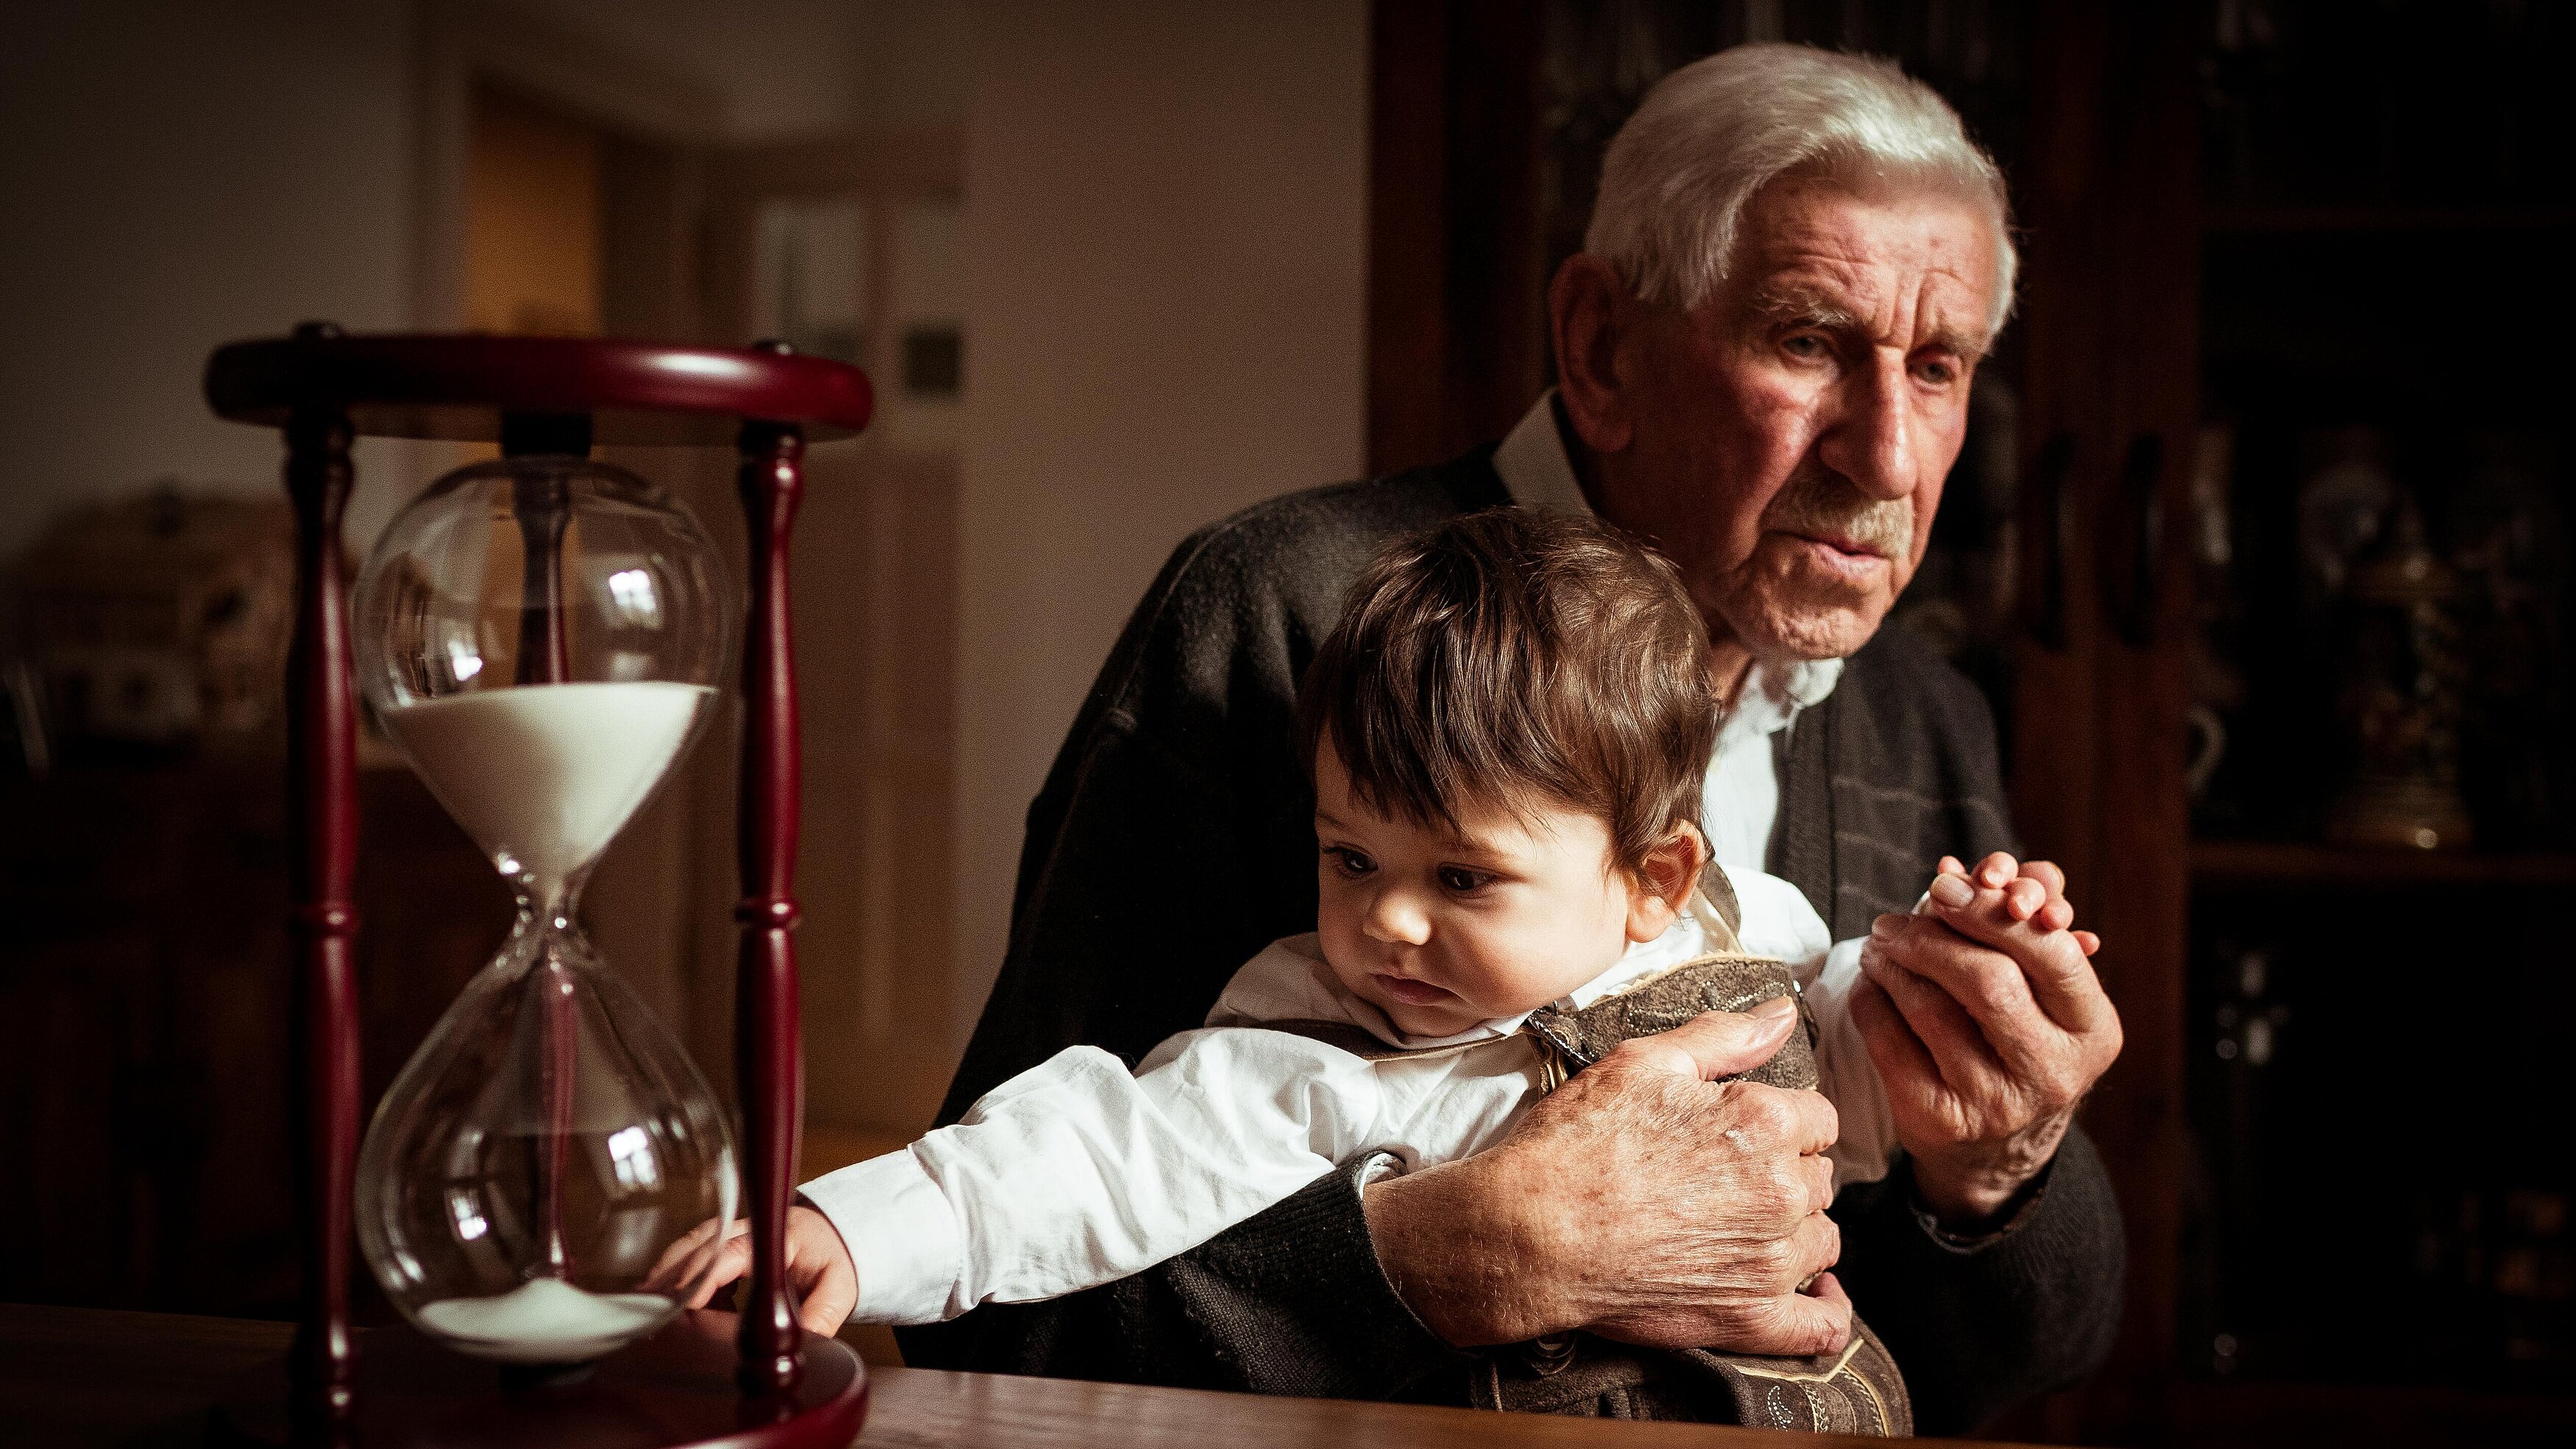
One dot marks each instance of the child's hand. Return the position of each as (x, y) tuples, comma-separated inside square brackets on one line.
[(819, 1271), (2034, 893)]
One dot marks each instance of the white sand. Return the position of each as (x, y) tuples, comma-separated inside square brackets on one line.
[(545, 1320), (547, 774)]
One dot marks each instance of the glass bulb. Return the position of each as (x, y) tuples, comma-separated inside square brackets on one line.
[(542, 637), (538, 1158)]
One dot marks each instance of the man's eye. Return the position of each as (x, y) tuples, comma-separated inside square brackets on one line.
[(1805, 346), (1463, 881), (1938, 371), (1348, 861)]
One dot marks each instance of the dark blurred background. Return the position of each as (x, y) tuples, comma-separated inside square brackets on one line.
[(2258, 546)]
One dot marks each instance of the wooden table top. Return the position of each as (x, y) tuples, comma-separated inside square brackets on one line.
[(77, 1377)]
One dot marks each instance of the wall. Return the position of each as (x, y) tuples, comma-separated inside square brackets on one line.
[(178, 175), (780, 67), (1165, 232), (791, 68)]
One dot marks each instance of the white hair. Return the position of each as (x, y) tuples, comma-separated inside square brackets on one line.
[(1676, 179)]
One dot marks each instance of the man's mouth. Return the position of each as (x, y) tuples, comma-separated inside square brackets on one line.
[(1836, 554), (1408, 990), (1857, 548)]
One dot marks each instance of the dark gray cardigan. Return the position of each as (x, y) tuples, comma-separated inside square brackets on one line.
[(1173, 839)]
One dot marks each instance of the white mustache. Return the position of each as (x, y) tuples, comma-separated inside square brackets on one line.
[(1818, 504)]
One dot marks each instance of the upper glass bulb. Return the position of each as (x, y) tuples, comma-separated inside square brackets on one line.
[(542, 637), (548, 570)]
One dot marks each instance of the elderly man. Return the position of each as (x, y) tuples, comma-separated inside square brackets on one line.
[(1764, 356)]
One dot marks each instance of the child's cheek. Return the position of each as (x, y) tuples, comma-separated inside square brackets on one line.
[(1514, 982)]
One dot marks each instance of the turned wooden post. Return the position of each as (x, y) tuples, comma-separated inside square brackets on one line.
[(322, 786), (768, 1053)]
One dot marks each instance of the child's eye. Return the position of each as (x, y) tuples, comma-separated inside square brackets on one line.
[(1349, 861), (1463, 881)]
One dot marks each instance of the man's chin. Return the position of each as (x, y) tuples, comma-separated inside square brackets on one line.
[(1788, 603), (1808, 628)]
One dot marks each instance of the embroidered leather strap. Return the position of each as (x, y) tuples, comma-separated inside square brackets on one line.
[(1573, 1040)]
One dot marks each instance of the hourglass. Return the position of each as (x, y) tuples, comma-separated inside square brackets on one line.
[(542, 637)]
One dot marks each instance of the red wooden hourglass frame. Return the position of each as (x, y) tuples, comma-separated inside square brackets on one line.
[(706, 1377)]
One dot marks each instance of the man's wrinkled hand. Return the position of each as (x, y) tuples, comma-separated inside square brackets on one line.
[(1988, 1026), (1642, 1201)]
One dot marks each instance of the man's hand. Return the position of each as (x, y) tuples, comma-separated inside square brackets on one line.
[(1988, 1026), (1641, 1201), (819, 1271)]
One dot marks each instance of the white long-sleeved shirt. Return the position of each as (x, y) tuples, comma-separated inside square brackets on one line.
[(1077, 1172)]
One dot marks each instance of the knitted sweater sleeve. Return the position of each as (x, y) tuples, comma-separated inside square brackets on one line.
[(1977, 1325)]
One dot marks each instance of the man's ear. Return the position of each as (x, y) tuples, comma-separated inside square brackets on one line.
[(1588, 311), (1665, 880)]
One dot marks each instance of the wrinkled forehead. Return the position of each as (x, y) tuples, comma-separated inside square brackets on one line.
[(1909, 264)]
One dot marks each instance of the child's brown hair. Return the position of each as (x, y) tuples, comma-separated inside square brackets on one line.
[(1514, 657)]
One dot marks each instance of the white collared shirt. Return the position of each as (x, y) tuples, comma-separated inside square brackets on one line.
[(1740, 802)]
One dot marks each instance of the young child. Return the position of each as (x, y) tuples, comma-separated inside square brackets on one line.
[(1508, 733)]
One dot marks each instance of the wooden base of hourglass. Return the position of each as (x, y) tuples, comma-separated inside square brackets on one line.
[(674, 1390)]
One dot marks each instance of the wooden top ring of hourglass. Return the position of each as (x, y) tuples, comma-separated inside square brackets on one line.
[(324, 388)]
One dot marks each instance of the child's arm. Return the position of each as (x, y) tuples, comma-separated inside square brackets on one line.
[(1077, 1173)]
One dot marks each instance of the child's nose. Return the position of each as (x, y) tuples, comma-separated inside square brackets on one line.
[(1397, 919)]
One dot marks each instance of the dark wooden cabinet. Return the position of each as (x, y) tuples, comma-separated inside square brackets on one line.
[(2107, 193), (2245, 227)]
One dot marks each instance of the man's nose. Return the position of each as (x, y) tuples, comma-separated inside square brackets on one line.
[(1871, 442), (1397, 919)]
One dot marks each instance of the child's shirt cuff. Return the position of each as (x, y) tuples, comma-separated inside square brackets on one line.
[(902, 1235)]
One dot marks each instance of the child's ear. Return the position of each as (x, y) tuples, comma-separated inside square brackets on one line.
[(1665, 880)]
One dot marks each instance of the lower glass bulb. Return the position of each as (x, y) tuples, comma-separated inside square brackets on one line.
[(528, 1188)]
